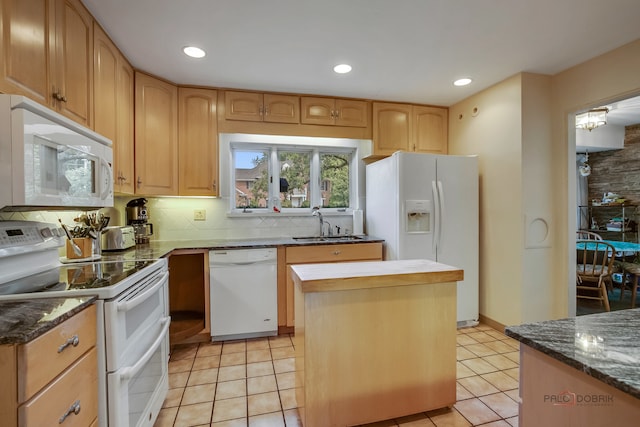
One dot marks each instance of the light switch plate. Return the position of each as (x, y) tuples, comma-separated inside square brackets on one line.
[(199, 214)]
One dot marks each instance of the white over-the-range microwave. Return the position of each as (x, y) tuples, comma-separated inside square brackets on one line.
[(48, 161)]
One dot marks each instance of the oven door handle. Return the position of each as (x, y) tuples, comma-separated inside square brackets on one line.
[(128, 305), (129, 372)]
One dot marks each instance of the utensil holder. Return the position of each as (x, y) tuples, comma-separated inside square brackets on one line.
[(86, 246)]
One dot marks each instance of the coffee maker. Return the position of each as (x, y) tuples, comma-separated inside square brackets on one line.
[(138, 218)]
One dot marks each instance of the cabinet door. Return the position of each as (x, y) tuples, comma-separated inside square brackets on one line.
[(430, 129), (317, 111), (113, 107), (124, 146), (351, 113), (243, 106), (198, 142), (391, 127), (26, 60), (323, 253), (281, 108), (156, 147), (73, 68)]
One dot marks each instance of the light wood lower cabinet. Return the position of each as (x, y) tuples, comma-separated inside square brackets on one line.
[(45, 380), (189, 296), (291, 255)]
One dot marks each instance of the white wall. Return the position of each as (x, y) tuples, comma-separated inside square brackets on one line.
[(610, 77), (524, 134), (489, 124)]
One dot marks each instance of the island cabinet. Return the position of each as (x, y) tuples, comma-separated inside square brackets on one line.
[(53, 63), (113, 107), (406, 127), (374, 340), (259, 107), (197, 142), (189, 296), (334, 112), (156, 136), (291, 255), (54, 377)]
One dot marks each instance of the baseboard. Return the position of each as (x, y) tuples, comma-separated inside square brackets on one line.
[(492, 323)]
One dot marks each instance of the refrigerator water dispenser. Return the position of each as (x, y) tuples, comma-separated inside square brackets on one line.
[(418, 216)]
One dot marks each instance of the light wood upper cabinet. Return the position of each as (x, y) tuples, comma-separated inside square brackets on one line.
[(430, 126), (333, 112), (113, 107), (47, 54), (198, 142), (258, 107), (392, 124), (72, 85), (26, 65), (156, 136), (407, 127)]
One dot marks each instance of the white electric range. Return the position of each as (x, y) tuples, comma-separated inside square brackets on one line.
[(132, 310)]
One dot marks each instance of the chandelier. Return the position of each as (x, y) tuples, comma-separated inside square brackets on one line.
[(592, 119)]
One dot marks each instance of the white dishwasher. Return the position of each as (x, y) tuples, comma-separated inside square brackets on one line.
[(244, 293)]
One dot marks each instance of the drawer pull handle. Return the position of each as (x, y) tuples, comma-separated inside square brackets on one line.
[(73, 409), (74, 341), (337, 252)]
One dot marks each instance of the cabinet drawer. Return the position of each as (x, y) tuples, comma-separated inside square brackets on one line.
[(334, 253), (44, 358), (78, 385)]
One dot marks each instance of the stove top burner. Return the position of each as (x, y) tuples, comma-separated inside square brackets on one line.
[(70, 277)]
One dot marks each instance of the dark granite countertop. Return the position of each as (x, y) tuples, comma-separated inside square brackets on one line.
[(23, 320), (158, 249), (605, 346)]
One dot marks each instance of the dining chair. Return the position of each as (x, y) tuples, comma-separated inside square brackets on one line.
[(594, 267), (632, 270), (587, 235)]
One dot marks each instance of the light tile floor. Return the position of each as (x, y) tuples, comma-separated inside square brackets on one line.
[(251, 383)]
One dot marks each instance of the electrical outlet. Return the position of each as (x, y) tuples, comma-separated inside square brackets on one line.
[(199, 214)]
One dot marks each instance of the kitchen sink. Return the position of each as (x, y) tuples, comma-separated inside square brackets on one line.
[(327, 238)]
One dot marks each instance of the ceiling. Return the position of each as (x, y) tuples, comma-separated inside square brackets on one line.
[(407, 51)]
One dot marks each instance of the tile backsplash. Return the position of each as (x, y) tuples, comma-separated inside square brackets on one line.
[(173, 219)]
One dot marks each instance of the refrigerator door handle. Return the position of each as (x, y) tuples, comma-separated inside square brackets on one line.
[(443, 213), (436, 231)]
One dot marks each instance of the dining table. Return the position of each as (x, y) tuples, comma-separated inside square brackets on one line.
[(617, 245)]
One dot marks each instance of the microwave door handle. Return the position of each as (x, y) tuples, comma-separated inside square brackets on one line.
[(107, 188), (129, 372), (128, 305)]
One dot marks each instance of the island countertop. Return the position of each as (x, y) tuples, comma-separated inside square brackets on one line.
[(605, 346), (349, 275)]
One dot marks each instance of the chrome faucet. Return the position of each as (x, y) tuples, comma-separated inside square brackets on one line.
[(316, 212)]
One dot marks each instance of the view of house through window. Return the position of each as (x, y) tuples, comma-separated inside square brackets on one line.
[(334, 176), (260, 183), (251, 178)]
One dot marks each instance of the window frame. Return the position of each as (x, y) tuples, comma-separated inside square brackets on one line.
[(273, 144)]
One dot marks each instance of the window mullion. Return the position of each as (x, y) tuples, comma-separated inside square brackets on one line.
[(314, 177)]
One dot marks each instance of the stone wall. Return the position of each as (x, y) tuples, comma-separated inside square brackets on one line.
[(617, 171)]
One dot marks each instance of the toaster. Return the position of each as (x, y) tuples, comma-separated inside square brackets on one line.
[(118, 238)]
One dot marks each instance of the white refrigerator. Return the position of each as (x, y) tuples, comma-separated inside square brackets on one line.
[(425, 206)]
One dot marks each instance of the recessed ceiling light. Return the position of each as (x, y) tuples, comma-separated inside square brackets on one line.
[(462, 82), (342, 68), (194, 52)]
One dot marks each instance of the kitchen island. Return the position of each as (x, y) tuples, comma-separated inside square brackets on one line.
[(374, 340), (581, 371)]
